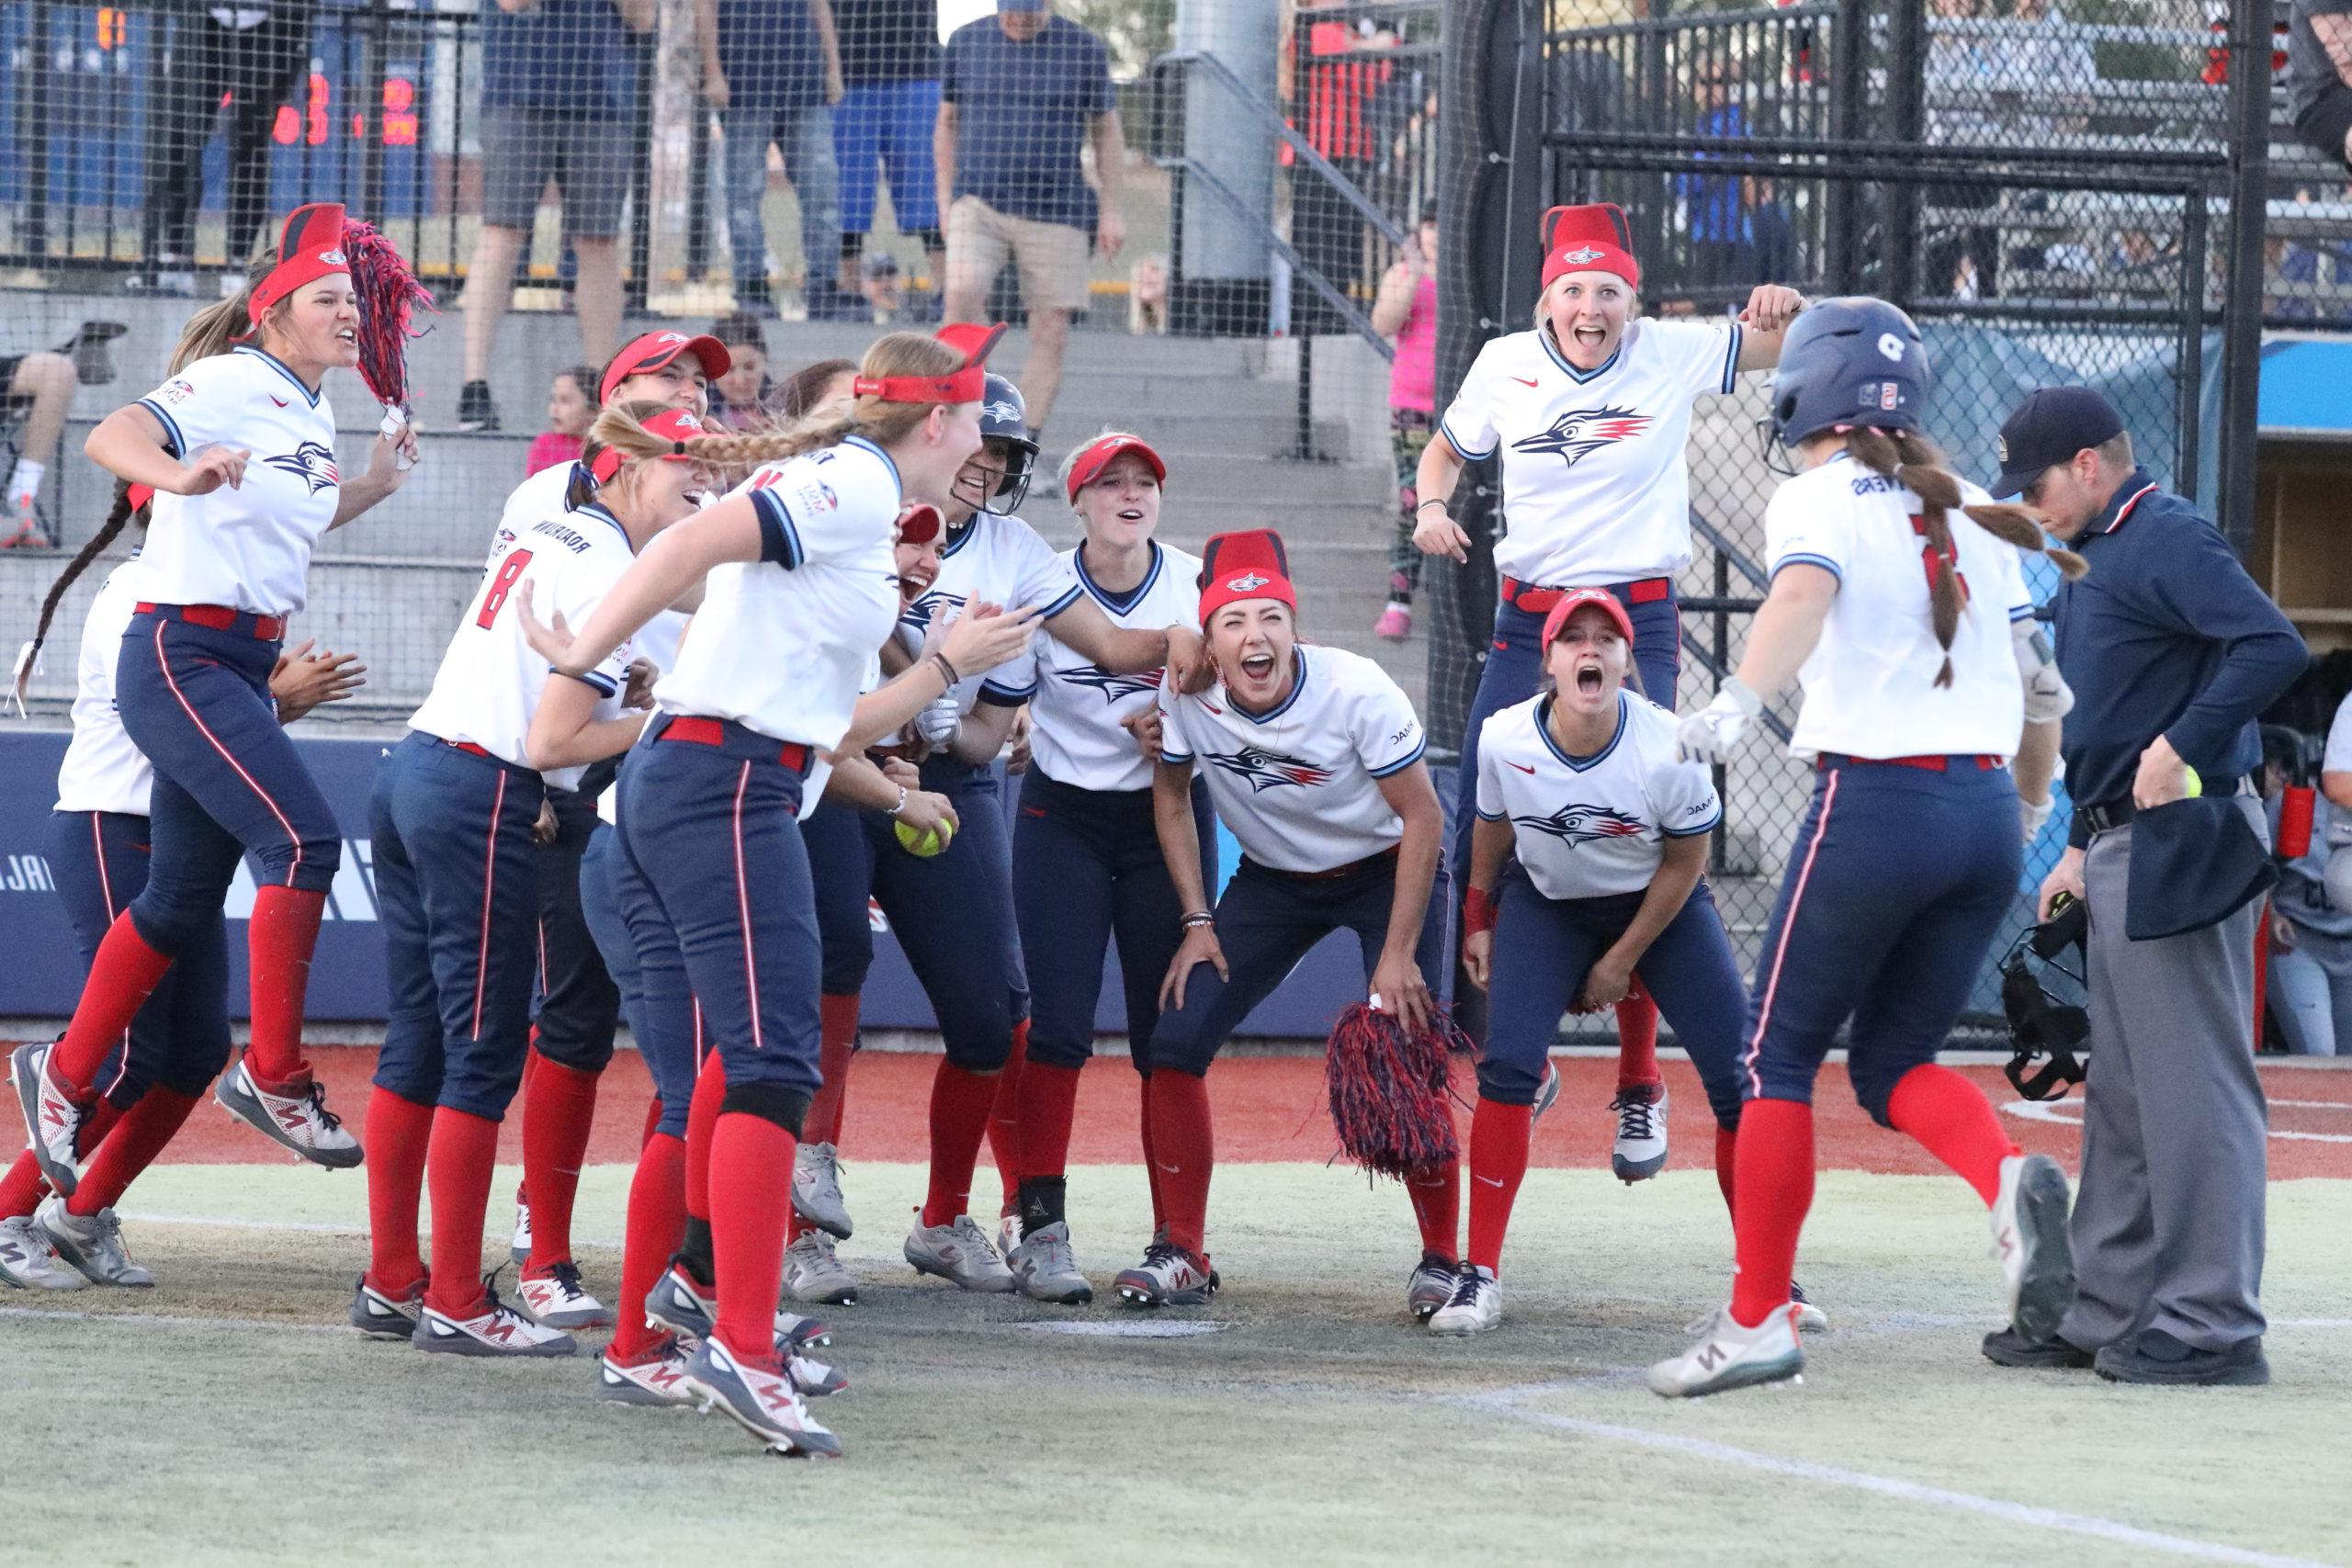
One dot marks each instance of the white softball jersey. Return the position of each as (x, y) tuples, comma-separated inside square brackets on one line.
[(1869, 685), (998, 561), (247, 547), (103, 771), (1595, 486), (1299, 785), (1077, 706), (1588, 827)]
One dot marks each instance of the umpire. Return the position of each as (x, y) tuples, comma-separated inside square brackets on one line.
[(2171, 650)]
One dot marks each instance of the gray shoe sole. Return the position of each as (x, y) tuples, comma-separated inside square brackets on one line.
[(2047, 1288), (1138, 1290), (248, 1110), (26, 1078), (382, 1325), (1070, 1291), (842, 1295), (1462, 1331), (467, 1344), (1631, 1170), (570, 1318), (1750, 1376)]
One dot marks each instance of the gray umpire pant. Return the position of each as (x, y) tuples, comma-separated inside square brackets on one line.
[(2168, 1220)]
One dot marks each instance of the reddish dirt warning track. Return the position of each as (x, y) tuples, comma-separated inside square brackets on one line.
[(1272, 1108)]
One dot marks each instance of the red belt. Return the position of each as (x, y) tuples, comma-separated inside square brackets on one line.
[(1539, 601), (1934, 763), (713, 732), (220, 619), (1339, 870), (472, 749)]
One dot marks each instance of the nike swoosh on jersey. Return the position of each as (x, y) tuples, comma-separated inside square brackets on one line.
[(1524, 381), (1522, 767)]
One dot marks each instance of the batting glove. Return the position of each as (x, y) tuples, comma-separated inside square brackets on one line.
[(2032, 814), (1713, 733), (937, 723)]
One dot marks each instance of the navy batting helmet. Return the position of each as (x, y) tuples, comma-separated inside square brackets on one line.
[(1850, 361), (1005, 419)]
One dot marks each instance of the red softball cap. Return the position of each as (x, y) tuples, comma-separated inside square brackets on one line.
[(1582, 598), (310, 248), (1251, 565), (1590, 238), (964, 383), (677, 426), (1097, 454), (920, 522), (655, 349)]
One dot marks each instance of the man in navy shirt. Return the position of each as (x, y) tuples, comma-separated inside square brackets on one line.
[(2171, 652), (1023, 93), (883, 126), (558, 83)]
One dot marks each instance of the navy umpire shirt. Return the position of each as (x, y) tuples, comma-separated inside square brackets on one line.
[(2166, 636)]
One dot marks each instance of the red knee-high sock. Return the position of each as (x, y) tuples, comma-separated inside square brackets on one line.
[(751, 1191), (560, 1108), (130, 1147), (702, 1121), (1726, 1165), (531, 1060), (283, 933), (657, 1218), (1046, 1111), (1150, 1165), (1004, 1117), (838, 1044), (1637, 1041), (1956, 1124), (1499, 1138), (1183, 1142), (398, 1132), (458, 1168), (1775, 1163), (961, 1103), (1437, 1209), (122, 975)]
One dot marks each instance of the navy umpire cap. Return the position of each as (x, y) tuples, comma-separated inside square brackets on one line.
[(2048, 429), (1846, 362), (2195, 863)]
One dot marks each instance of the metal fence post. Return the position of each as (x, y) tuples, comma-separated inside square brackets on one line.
[(2250, 23), (1907, 104), (1849, 85)]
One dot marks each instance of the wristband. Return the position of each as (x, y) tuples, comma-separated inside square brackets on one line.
[(1418, 510), (947, 670), (901, 806), (1478, 911), (1198, 920)]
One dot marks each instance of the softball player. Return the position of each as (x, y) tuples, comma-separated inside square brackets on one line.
[(457, 876), (98, 852), (1085, 863), (1313, 758), (1590, 413), (1899, 605), (970, 967), (1605, 833), (713, 880), (238, 446)]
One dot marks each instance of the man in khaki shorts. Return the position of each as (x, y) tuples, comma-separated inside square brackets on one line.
[(1022, 94)]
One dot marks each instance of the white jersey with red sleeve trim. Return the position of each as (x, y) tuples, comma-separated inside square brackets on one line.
[(1588, 827), (1869, 684), (1300, 786), (997, 561), (488, 688), (782, 644), (1596, 483), (247, 547), (103, 769), (1078, 706)]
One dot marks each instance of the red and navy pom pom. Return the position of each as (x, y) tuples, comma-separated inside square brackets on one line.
[(1392, 1090), (389, 295)]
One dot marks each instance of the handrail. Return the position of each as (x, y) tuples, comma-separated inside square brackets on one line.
[(1355, 319)]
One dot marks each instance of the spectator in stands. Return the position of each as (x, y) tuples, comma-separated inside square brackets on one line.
[(1024, 93), (1336, 101), (2310, 933), (2319, 75), (885, 289), (1406, 311), (1965, 66), (256, 53), (1714, 207), (572, 409), (883, 125), (742, 398), (36, 393), (1587, 84), (558, 85), (772, 69)]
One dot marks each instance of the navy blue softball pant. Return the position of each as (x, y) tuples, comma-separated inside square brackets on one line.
[(714, 886), (952, 911), (600, 912), (180, 1038), (1266, 921), (1086, 871), (228, 782), (578, 1003), (457, 883), (1542, 950), (1898, 879)]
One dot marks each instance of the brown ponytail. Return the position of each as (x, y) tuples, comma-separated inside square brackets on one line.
[(1913, 461), (118, 517), (216, 329)]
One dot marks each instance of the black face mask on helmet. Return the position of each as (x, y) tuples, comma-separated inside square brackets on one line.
[(2042, 1026), (1004, 429)]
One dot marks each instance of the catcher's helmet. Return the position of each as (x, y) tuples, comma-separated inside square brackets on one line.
[(1005, 419), (2039, 1023), (1848, 361)]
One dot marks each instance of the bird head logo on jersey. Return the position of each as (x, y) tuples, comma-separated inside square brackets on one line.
[(938, 602), (1115, 687), (1575, 436), (1266, 770), (1580, 824), (313, 463)]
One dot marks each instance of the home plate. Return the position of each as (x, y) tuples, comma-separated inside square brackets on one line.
[(1182, 1329)]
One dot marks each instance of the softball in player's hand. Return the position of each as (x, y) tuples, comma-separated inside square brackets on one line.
[(927, 823)]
